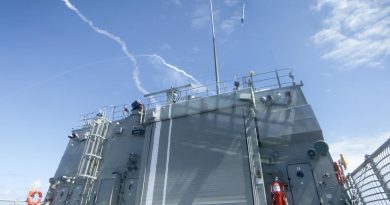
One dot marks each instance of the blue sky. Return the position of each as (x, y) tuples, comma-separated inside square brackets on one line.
[(54, 66)]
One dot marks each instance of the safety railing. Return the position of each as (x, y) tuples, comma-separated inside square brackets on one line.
[(111, 113), (260, 81), (11, 202), (371, 179)]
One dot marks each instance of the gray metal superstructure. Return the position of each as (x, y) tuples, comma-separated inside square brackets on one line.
[(196, 147)]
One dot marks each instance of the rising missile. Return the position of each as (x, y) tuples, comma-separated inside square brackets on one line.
[(243, 13)]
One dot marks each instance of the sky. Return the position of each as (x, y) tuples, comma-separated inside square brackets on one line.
[(61, 59)]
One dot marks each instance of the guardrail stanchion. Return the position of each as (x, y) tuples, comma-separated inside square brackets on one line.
[(277, 78), (113, 113)]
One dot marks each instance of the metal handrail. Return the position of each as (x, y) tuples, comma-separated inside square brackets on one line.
[(14, 202), (372, 182), (258, 82), (110, 113)]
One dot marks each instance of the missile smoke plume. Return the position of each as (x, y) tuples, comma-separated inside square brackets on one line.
[(76, 68), (123, 46), (173, 67), (116, 39)]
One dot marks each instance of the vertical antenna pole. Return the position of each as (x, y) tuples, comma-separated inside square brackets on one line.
[(215, 48)]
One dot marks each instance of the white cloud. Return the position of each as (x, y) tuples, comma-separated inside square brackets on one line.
[(229, 25), (354, 148), (166, 47), (356, 33), (225, 22), (36, 185), (201, 16)]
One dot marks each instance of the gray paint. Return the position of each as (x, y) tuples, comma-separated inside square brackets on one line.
[(208, 162), (223, 149)]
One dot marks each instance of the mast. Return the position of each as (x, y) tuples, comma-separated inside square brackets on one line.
[(214, 47)]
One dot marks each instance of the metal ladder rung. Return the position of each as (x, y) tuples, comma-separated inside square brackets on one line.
[(92, 155), (88, 176), (89, 164), (96, 135)]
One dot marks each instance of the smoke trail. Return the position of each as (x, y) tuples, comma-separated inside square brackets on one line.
[(79, 67), (123, 45), (59, 75), (173, 67), (117, 39)]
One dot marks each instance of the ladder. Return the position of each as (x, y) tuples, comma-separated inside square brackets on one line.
[(92, 155), (253, 149)]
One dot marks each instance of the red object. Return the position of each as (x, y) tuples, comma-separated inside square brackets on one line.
[(339, 173), (278, 194), (31, 195)]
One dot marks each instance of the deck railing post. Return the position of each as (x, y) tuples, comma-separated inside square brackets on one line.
[(277, 78)]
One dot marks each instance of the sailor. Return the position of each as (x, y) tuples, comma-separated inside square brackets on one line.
[(126, 111), (236, 85), (137, 106)]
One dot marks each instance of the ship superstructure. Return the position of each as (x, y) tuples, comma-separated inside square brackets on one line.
[(256, 142)]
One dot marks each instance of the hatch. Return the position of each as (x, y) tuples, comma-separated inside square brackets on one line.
[(302, 186)]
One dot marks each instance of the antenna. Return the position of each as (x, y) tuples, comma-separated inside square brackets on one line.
[(215, 47)]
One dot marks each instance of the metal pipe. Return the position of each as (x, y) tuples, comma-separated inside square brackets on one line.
[(215, 47)]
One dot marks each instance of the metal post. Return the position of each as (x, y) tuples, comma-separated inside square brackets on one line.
[(379, 177), (113, 113), (357, 191), (277, 77), (215, 48), (292, 76)]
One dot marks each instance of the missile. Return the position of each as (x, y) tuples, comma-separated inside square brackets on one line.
[(243, 13)]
